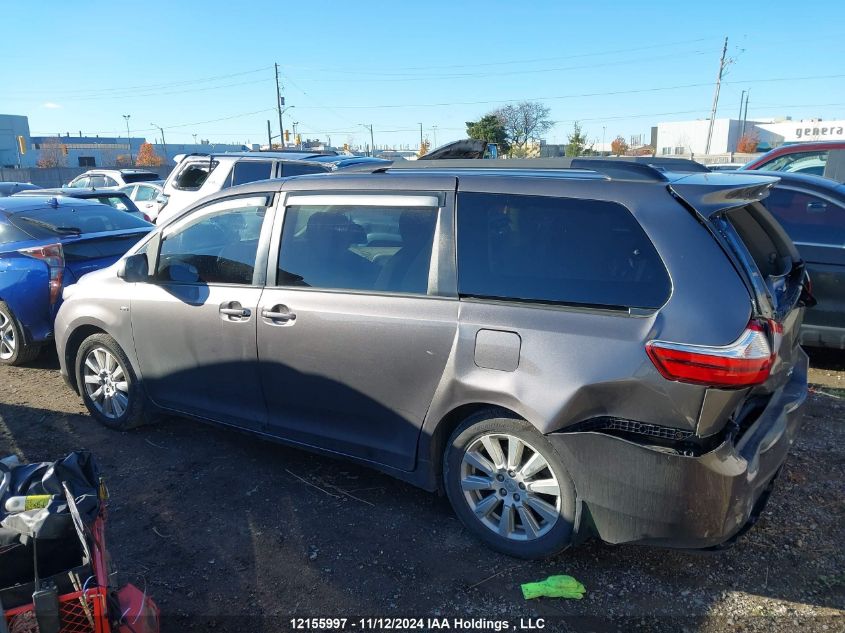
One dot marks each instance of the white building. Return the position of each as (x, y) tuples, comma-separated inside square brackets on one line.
[(690, 137)]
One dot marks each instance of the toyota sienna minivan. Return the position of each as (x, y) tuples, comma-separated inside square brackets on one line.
[(607, 350)]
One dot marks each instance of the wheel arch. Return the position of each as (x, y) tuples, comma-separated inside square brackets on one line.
[(434, 443), (74, 341)]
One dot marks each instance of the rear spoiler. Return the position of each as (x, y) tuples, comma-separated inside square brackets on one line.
[(711, 193)]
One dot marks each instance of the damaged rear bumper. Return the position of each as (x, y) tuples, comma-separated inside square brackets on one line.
[(639, 493)]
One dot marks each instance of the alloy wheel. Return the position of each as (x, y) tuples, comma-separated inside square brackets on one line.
[(105, 383), (510, 487), (8, 343)]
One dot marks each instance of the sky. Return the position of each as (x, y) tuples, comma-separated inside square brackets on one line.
[(207, 68)]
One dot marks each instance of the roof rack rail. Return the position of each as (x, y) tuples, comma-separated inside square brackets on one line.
[(618, 169)]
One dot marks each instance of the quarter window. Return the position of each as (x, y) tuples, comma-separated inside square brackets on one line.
[(298, 169), (215, 245), (556, 250), (379, 248)]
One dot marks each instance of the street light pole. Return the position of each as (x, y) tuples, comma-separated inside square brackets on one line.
[(434, 130), (421, 137), (163, 142), (128, 138)]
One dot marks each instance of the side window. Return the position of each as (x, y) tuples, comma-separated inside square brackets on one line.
[(109, 182), (214, 245), (807, 218), (81, 183), (801, 162), (558, 250), (97, 181), (246, 171), (145, 193), (376, 248), (298, 169), (192, 176)]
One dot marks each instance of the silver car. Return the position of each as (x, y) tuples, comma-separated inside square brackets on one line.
[(608, 351)]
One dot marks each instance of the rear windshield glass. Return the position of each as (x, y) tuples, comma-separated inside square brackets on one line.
[(558, 250), (140, 177), (97, 248), (10, 234), (193, 175), (76, 219)]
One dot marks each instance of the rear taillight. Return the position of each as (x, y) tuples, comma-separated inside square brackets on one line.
[(743, 363), (54, 257)]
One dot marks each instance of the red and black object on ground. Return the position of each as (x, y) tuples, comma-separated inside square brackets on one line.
[(88, 602)]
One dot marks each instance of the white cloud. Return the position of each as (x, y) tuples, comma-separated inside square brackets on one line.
[(51, 106)]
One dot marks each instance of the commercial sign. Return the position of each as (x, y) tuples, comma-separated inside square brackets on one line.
[(807, 130)]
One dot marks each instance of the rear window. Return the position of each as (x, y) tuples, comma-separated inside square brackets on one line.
[(71, 219), (192, 176), (556, 250), (127, 178), (10, 234), (298, 169), (97, 248), (246, 171)]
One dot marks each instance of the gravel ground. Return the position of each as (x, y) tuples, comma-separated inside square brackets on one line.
[(232, 533)]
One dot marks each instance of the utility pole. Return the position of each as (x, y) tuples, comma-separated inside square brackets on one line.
[(434, 131), (745, 113), (280, 101), (163, 142), (269, 136), (128, 138), (722, 64), (421, 137)]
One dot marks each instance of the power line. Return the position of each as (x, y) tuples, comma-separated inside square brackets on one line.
[(148, 87), (156, 93)]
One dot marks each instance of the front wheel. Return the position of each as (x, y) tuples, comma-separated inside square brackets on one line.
[(107, 383), (508, 485)]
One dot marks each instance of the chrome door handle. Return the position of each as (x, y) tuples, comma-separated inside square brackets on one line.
[(235, 312), (274, 315)]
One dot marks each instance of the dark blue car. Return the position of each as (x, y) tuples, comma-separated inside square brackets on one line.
[(47, 243)]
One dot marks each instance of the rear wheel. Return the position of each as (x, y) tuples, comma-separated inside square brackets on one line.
[(508, 486), (108, 385), (13, 348)]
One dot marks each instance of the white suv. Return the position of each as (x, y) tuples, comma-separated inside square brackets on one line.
[(111, 178), (199, 175)]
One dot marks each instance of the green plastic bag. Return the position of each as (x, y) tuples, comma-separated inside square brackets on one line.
[(554, 587)]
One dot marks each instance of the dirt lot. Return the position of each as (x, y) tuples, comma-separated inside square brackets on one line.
[(232, 533)]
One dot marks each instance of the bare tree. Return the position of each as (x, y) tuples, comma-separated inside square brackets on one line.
[(51, 153), (525, 121)]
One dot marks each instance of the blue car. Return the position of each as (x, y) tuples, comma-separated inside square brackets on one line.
[(47, 243)]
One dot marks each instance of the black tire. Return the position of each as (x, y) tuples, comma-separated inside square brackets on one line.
[(559, 533), (23, 352), (134, 414)]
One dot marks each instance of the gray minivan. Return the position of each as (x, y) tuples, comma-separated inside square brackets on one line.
[(608, 351)]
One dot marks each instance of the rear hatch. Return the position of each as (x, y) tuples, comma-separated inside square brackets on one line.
[(762, 253), (91, 235)]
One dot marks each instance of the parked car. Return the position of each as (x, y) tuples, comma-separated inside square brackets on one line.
[(542, 345), (46, 244), (825, 158), (112, 197), (199, 175), (812, 210), (144, 195), (104, 178), (9, 188)]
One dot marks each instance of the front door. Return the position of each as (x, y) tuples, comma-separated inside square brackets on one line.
[(194, 323), (354, 335)]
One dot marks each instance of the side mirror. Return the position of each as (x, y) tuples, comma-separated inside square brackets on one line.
[(134, 268)]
